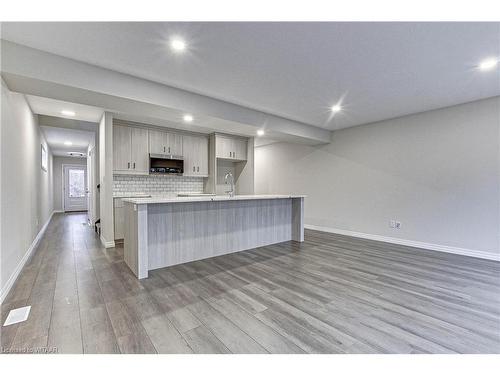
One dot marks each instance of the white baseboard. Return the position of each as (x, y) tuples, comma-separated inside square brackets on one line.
[(12, 279), (106, 243), (400, 241)]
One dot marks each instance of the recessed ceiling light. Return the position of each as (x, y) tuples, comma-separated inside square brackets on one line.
[(336, 108), (67, 113), (73, 153), (177, 44), (488, 64), (68, 143), (261, 132), (188, 118)]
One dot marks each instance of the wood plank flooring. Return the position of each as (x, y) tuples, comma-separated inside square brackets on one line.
[(329, 294)]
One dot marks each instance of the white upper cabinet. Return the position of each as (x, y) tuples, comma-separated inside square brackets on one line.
[(165, 143), (140, 155), (223, 148), (130, 150), (174, 144), (132, 146), (121, 148), (240, 149), (230, 148), (195, 156), (157, 142), (203, 156)]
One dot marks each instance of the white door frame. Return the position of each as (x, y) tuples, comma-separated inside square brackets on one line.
[(90, 186), (63, 189)]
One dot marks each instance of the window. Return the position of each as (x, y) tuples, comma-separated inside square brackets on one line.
[(76, 183)]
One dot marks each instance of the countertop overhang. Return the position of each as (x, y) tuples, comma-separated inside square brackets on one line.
[(216, 198)]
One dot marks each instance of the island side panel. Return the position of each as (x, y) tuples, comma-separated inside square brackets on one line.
[(184, 232), (298, 219), (135, 251), (130, 237)]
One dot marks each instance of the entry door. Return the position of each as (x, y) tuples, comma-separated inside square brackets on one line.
[(75, 189)]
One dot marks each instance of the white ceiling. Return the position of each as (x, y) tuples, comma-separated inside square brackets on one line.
[(294, 70), (52, 107), (57, 136)]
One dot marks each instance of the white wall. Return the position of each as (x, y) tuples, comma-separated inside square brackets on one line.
[(26, 190), (93, 180), (106, 179), (437, 172), (58, 177)]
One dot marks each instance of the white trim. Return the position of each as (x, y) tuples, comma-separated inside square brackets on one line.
[(401, 241), (106, 243), (12, 279)]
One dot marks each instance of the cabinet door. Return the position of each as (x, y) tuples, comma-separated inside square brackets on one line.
[(121, 148), (189, 149), (223, 147), (174, 144), (140, 153), (195, 156), (202, 153), (240, 149), (231, 148), (157, 142), (119, 213)]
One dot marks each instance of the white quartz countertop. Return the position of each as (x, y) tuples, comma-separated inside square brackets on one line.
[(153, 200), (131, 195)]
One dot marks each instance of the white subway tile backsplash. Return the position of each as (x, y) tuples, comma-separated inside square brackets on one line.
[(156, 184)]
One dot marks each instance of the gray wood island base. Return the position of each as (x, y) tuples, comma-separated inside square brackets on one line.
[(168, 231)]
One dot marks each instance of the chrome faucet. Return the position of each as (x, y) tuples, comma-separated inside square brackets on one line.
[(229, 176)]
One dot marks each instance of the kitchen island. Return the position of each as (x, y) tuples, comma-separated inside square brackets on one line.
[(162, 232)]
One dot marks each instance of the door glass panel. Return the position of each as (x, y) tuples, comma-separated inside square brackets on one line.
[(76, 183)]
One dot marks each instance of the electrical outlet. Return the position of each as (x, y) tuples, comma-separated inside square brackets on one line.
[(394, 224)]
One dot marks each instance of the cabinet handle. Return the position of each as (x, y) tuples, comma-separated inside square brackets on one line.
[(197, 169), (128, 165), (134, 164), (169, 150), (194, 169), (164, 149)]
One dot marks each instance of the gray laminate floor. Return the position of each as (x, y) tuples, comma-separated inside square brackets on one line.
[(330, 294)]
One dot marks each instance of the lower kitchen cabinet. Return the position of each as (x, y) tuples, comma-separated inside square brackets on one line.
[(119, 218)]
